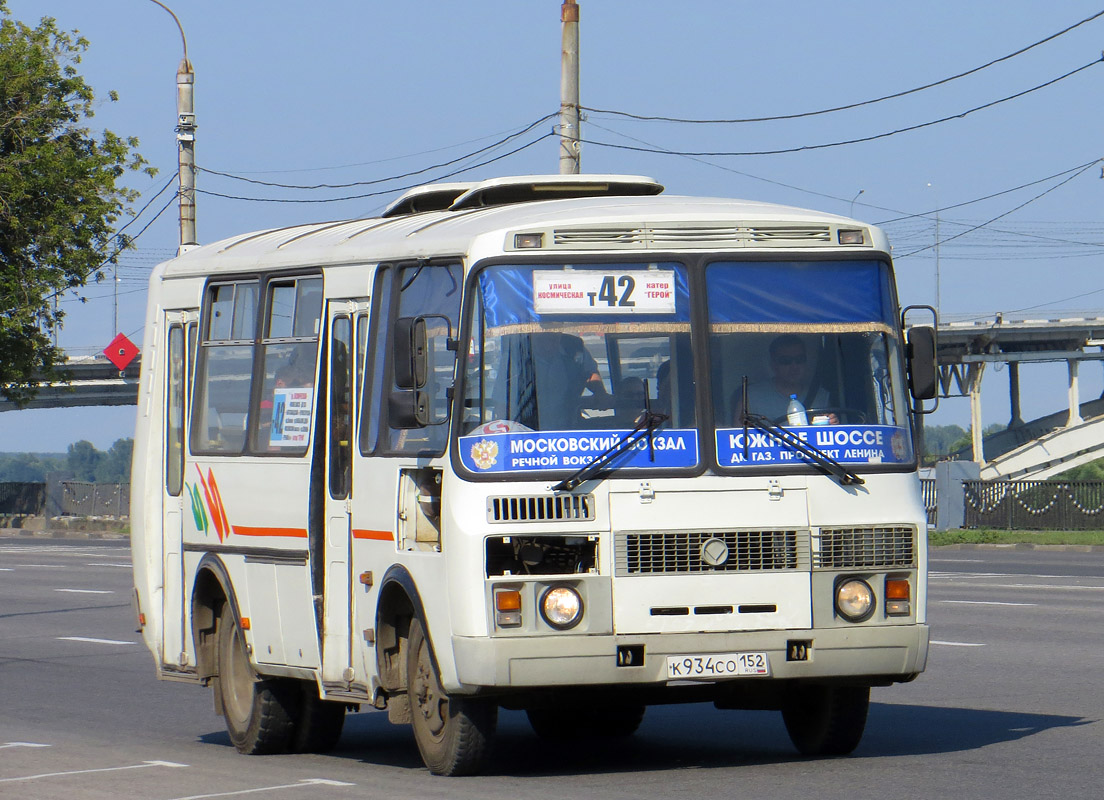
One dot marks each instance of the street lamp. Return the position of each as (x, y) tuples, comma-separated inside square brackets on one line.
[(185, 137), (853, 199)]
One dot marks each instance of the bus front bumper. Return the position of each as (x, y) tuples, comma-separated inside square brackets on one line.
[(896, 652)]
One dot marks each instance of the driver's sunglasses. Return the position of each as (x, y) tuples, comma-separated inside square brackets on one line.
[(785, 361)]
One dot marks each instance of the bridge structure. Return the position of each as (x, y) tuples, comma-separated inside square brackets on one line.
[(91, 381), (1037, 448)]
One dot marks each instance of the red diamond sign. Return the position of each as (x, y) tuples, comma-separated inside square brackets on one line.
[(121, 352)]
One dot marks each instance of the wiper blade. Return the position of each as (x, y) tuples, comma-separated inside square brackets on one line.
[(811, 452), (646, 424)]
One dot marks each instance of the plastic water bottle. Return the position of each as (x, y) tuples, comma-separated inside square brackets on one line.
[(795, 412)]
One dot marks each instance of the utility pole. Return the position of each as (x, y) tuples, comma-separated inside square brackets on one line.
[(569, 90), (185, 138)]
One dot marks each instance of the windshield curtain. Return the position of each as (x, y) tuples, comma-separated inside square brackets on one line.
[(815, 343), (564, 360)]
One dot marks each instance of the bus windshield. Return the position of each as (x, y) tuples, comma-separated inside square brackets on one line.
[(564, 359), (815, 345)]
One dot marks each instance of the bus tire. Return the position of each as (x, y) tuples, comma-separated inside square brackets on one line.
[(318, 727), (259, 712), (613, 722), (453, 733), (825, 720)]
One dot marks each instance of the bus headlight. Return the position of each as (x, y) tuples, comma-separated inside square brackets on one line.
[(561, 607), (854, 599)]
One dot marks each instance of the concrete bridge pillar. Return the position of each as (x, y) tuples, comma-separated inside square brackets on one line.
[(1074, 394), (1014, 394)]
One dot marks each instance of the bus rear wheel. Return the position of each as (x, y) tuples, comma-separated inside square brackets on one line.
[(826, 720), (259, 712), (453, 733)]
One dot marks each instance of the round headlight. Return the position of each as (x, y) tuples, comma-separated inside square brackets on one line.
[(561, 607), (854, 600)]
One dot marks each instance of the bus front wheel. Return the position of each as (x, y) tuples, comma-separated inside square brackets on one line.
[(258, 712), (453, 733), (826, 720)]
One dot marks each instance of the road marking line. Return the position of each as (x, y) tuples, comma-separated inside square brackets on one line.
[(1044, 586), (956, 560), (958, 644), (23, 744), (986, 603), (299, 785), (43, 566), (6, 569), (94, 641), (124, 566), (143, 765), (86, 591)]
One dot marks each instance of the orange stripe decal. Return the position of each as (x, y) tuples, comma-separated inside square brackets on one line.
[(295, 533), (379, 536)]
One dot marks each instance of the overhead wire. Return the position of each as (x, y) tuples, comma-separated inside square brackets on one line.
[(849, 106), (999, 216), (380, 192), (859, 140), (376, 181)]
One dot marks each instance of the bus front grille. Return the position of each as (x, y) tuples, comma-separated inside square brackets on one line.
[(698, 552), (852, 548), (541, 508)]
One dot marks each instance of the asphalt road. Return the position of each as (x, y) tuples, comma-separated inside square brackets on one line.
[(1010, 707)]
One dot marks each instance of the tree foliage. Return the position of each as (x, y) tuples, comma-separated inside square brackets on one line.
[(60, 193)]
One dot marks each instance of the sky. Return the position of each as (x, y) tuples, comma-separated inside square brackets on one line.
[(356, 91)]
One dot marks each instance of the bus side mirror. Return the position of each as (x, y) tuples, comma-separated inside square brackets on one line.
[(408, 409), (922, 373), (409, 406), (410, 356)]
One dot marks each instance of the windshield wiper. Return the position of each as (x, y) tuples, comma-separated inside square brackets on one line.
[(646, 424), (811, 452)]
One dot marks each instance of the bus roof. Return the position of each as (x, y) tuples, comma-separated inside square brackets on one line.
[(632, 220)]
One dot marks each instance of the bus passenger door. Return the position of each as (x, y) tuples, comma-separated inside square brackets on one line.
[(340, 423), (178, 355)]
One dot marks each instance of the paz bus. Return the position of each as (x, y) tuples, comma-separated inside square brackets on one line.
[(512, 444)]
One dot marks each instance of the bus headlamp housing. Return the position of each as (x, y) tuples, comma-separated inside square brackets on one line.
[(561, 607), (854, 599)]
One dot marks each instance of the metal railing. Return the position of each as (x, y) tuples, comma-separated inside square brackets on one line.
[(927, 492), (1035, 505), (22, 498), (82, 499)]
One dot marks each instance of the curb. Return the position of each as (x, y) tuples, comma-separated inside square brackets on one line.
[(27, 535), (1055, 548)]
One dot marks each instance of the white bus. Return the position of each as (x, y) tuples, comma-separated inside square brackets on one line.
[(560, 444)]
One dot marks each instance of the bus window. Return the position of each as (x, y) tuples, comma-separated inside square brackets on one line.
[(432, 292), (174, 413), (224, 375), (341, 410), (288, 352)]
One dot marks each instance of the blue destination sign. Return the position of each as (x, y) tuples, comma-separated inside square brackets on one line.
[(560, 450), (847, 444)]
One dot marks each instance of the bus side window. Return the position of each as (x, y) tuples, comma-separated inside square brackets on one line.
[(224, 374), (174, 413), (288, 350), (433, 292)]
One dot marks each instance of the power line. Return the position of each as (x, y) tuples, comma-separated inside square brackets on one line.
[(376, 181), (999, 216), (859, 140), (382, 191), (849, 106)]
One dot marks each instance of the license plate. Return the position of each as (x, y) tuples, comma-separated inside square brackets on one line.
[(720, 665)]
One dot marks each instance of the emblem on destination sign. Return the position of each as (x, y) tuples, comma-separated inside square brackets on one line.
[(714, 552), (484, 453)]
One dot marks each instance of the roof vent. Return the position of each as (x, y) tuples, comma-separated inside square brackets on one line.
[(530, 188), (431, 197)]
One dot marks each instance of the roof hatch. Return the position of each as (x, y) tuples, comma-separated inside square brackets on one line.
[(530, 188)]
